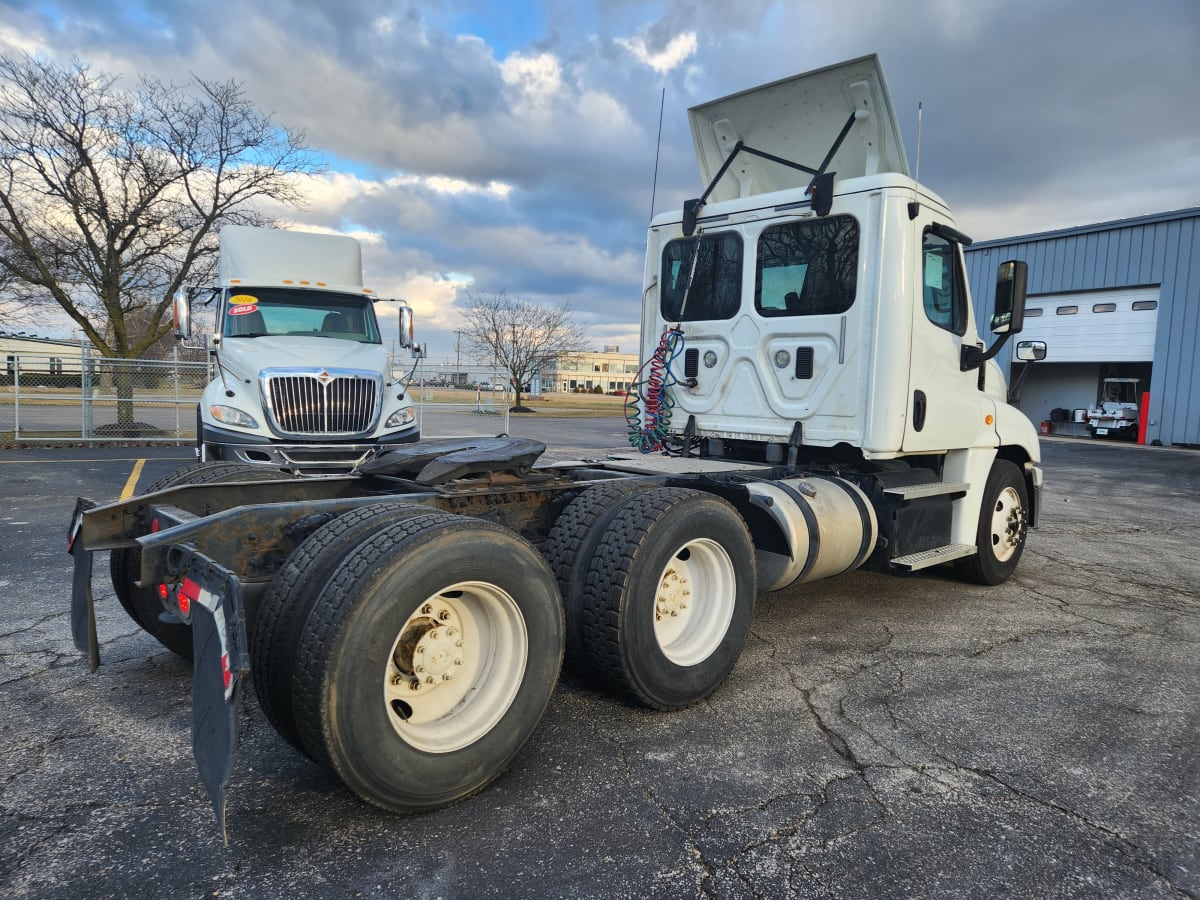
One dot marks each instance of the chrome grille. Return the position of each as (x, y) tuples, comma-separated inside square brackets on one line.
[(322, 402)]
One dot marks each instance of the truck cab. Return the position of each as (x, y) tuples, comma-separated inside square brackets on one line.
[(303, 380), (822, 309)]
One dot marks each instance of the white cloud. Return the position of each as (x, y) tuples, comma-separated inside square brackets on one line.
[(677, 50), (537, 77)]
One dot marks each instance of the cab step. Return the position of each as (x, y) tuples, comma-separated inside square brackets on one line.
[(926, 558), (936, 489)]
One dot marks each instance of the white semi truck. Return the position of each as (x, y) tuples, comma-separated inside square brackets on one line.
[(815, 398), (303, 379)]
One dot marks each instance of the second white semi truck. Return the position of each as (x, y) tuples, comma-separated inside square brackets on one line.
[(303, 376)]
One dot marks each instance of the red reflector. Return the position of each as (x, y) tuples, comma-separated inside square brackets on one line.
[(185, 603), (163, 592), (154, 526), (225, 669)]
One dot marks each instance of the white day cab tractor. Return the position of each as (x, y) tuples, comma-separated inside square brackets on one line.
[(814, 398), (303, 380)]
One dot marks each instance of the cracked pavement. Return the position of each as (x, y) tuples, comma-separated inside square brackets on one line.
[(879, 736)]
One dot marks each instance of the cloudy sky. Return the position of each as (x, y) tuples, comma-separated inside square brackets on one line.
[(478, 145)]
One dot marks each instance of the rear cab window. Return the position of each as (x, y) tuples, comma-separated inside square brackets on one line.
[(807, 268)]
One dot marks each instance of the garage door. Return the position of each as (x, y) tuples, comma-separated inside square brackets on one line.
[(1094, 326)]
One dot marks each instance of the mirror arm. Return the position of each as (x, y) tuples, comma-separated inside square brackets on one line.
[(972, 357)]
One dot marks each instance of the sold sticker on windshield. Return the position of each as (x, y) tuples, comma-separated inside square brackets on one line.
[(239, 299), (242, 310)]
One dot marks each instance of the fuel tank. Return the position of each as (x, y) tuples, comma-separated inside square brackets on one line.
[(829, 525)]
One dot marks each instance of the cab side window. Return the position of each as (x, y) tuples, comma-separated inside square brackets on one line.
[(943, 293)]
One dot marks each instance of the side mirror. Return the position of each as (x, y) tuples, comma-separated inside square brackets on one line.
[(182, 313), (406, 327), (1031, 351), (1009, 317)]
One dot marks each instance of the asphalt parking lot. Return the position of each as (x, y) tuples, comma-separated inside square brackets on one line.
[(879, 737)]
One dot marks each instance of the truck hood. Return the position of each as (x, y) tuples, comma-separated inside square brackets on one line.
[(799, 119), (246, 357)]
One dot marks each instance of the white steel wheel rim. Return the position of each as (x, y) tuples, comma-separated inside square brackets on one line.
[(694, 602), (455, 667), (1007, 519)]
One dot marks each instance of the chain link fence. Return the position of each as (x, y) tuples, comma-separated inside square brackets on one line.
[(95, 399)]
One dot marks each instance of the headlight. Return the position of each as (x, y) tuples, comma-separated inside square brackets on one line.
[(230, 416), (403, 416)]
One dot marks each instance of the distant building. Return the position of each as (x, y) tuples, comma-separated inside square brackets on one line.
[(37, 359), (1114, 299), (609, 369)]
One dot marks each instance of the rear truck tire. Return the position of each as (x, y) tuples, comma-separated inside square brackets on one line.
[(428, 660), (669, 596), (290, 598), (569, 548), (125, 563), (1003, 527)]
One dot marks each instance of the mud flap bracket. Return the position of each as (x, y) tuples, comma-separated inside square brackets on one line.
[(83, 606), (209, 596)]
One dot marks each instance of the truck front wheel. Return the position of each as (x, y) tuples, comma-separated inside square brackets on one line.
[(428, 660), (668, 597), (1003, 526)]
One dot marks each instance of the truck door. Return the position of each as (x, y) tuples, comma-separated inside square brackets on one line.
[(944, 403)]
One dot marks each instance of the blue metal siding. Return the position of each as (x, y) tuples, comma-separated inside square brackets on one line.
[(1161, 250)]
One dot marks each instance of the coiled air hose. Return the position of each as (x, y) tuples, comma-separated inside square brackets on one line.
[(649, 424)]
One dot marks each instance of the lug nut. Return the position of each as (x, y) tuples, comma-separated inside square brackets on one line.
[(396, 679), (429, 679), (446, 676), (444, 615), (427, 608), (420, 669), (414, 684)]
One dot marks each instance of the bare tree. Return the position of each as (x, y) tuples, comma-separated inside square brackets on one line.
[(110, 199), (520, 336)]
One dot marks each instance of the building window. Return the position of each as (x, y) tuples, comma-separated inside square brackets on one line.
[(1104, 307), (1033, 313), (12, 364), (56, 366), (1066, 310), (1140, 305)]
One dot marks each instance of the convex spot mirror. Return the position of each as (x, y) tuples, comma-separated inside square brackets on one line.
[(1009, 317), (1031, 351)]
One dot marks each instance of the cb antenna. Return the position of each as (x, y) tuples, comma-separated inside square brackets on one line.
[(917, 175), (914, 205), (657, 148)]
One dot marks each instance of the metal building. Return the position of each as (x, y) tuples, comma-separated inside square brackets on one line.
[(1114, 299)]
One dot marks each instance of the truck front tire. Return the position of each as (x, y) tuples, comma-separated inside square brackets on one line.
[(669, 596), (428, 660), (1003, 527)]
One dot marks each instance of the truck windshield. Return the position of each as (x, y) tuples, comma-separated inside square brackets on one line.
[(296, 312)]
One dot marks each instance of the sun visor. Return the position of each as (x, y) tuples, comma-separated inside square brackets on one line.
[(799, 119)]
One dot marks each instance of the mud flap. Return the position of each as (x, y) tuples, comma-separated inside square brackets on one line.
[(209, 596), (83, 608)]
